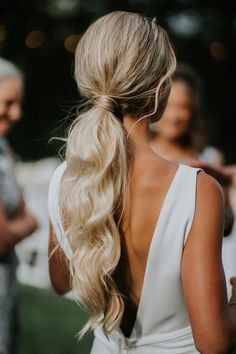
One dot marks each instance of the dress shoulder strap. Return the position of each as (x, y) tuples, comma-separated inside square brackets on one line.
[(53, 209), (163, 269), (189, 186)]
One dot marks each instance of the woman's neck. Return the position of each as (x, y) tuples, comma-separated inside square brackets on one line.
[(138, 134)]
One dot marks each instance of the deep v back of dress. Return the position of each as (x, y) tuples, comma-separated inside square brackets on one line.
[(162, 325), (125, 281)]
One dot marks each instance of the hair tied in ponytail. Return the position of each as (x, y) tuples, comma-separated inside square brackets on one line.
[(109, 104), (123, 65)]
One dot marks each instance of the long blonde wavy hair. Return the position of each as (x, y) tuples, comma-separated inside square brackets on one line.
[(123, 65)]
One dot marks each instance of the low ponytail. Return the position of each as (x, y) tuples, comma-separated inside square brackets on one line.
[(123, 65), (96, 177)]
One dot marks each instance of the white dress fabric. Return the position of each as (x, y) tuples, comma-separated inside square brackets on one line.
[(162, 325)]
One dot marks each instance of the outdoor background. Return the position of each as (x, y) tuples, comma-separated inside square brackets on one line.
[(40, 37)]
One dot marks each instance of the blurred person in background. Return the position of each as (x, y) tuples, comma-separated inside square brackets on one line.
[(138, 238), (180, 134), (16, 222)]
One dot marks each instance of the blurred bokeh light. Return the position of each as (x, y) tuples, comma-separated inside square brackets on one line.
[(186, 24), (35, 39), (218, 51), (71, 42)]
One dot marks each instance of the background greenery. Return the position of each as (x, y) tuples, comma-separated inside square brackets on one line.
[(40, 37), (49, 324)]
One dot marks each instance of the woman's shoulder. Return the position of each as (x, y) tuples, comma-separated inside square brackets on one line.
[(209, 209), (208, 187)]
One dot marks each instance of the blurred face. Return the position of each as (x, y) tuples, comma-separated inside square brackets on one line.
[(10, 103), (176, 119)]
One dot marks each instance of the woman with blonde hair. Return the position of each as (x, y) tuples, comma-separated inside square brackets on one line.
[(138, 238)]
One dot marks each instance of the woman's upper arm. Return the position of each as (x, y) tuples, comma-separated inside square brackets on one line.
[(58, 265), (202, 271)]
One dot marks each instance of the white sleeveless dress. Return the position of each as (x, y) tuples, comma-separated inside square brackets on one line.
[(162, 325)]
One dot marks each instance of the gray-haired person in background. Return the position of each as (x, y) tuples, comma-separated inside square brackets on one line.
[(16, 222)]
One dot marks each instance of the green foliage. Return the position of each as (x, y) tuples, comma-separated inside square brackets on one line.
[(203, 34), (49, 324)]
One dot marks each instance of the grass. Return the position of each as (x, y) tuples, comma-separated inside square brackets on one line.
[(49, 324)]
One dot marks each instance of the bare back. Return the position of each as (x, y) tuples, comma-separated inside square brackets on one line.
[(150, 181), (149, 184)]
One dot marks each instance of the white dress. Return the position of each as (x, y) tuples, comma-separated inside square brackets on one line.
[(162, 325)]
